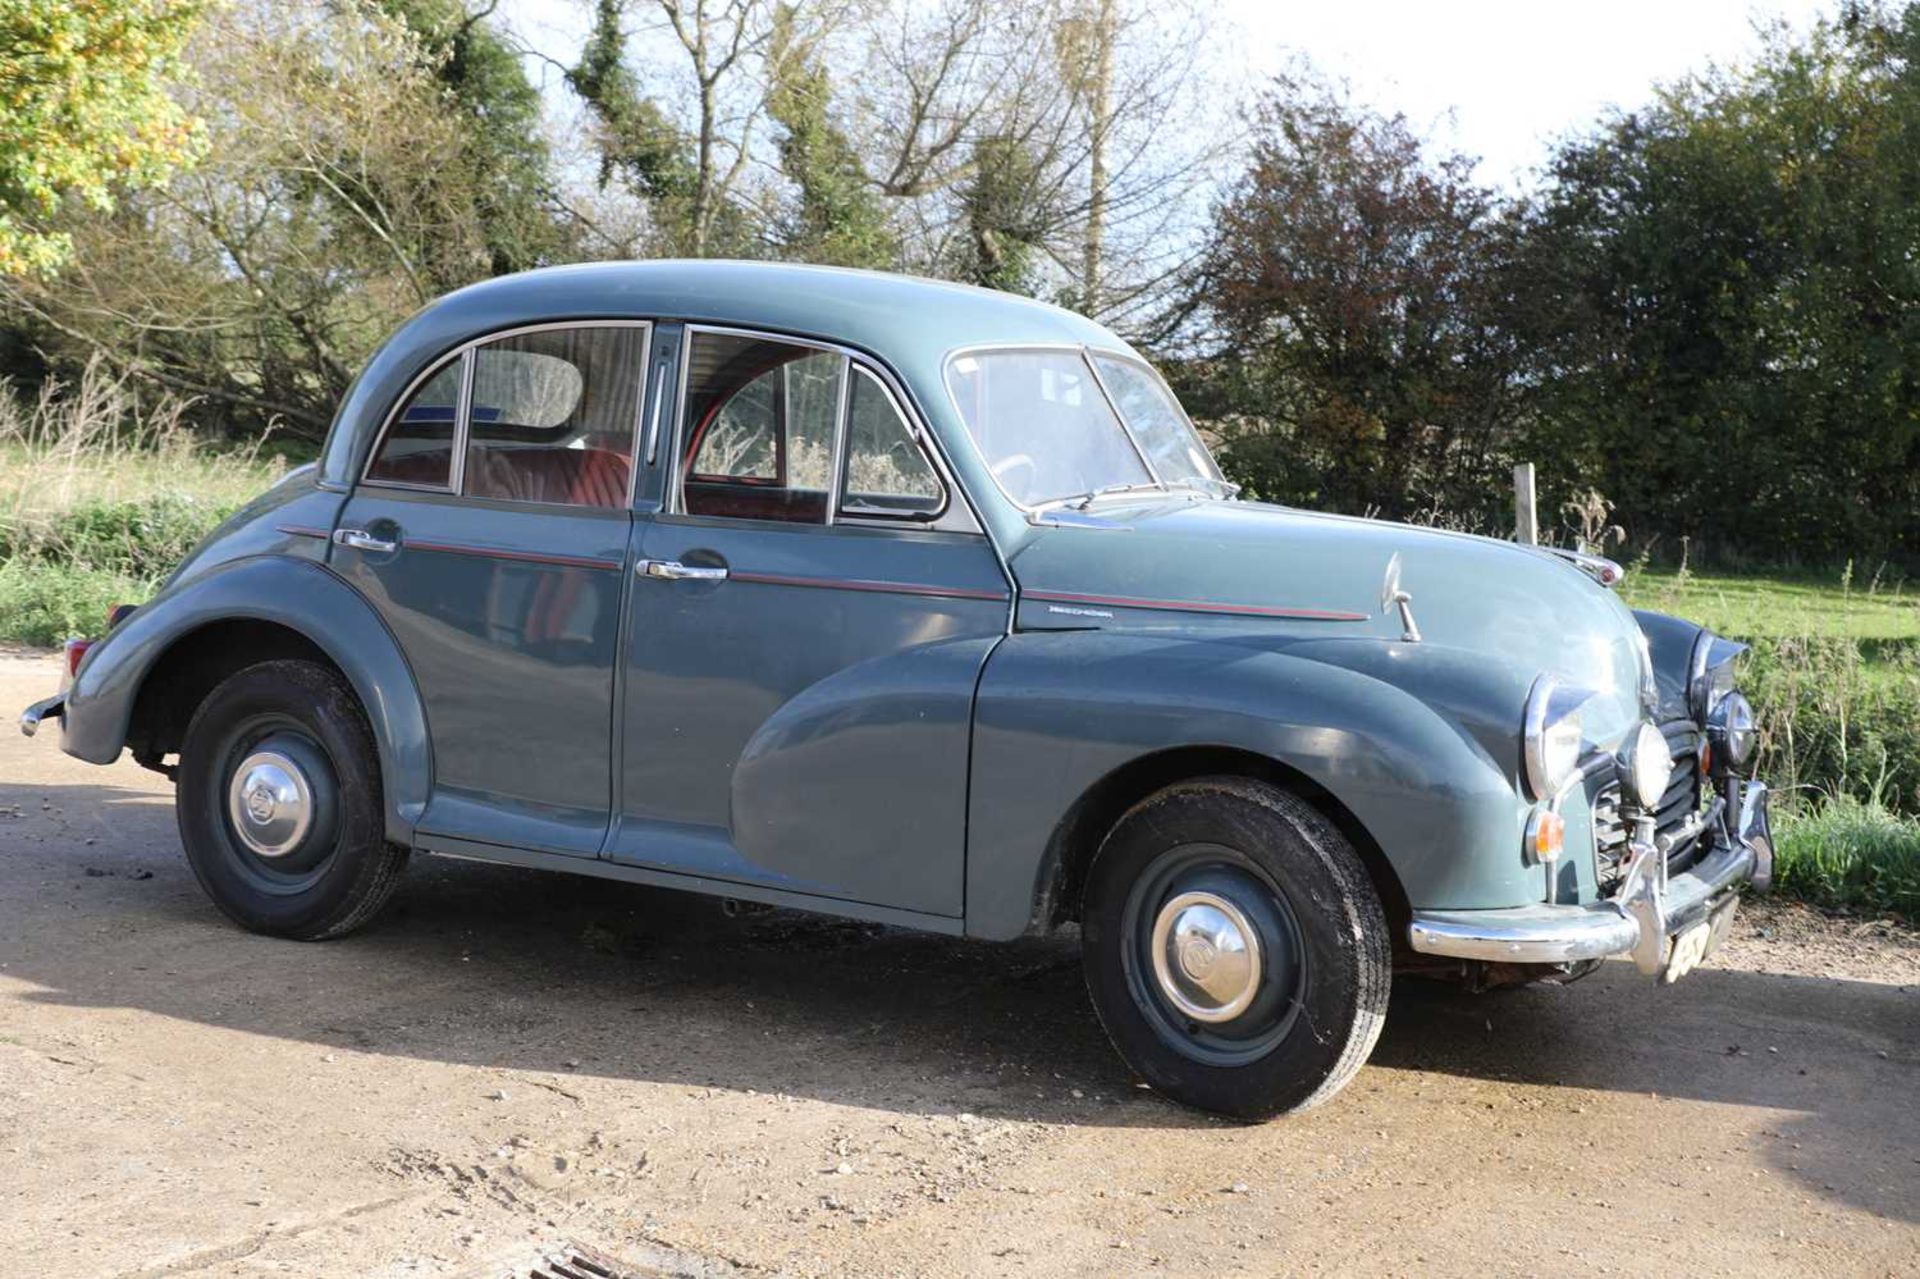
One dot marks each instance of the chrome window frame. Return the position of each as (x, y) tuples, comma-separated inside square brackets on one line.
[(846, 461), (454, 443), (850, 359), (466, 353), (1086, 351), (1125, 357)]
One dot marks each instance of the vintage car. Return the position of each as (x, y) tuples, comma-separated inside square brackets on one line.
[(925, 605)]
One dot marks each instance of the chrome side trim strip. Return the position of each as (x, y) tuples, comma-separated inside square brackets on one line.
[(869, 584), (1198, 606), (524, 557)]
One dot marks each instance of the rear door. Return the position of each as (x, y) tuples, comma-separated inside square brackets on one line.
[(811, 609), (491, 532)]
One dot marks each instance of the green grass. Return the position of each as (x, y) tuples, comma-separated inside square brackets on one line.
[(129, 521), (46, 603), (1835, 677), (1881, 605), (1850, 855)]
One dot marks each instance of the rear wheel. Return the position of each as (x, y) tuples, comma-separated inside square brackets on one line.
[(1235, 949), (279, 803)]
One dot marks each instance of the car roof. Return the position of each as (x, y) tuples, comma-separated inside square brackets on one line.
[(873, 309), (909, 323)]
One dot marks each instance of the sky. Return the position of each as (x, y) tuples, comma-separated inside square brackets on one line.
[(1497, 79), (1501, 79)]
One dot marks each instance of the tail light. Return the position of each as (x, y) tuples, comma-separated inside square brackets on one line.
[(75, 650)]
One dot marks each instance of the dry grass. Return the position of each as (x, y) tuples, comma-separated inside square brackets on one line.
[(100, 495)]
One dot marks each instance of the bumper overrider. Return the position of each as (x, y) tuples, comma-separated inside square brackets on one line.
[(45, 708), (1642, 920), (71, 653)]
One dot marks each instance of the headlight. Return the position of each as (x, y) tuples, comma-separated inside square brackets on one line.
[(1552, 735), (1710, 673), (1731, 729), (1648, 764)]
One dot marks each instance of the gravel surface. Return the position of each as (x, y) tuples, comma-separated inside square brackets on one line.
[(507, 1062)]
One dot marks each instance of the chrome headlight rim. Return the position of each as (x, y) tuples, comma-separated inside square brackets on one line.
[(1646, 765), (1551, 735), (1710, 673), (1733, 730)]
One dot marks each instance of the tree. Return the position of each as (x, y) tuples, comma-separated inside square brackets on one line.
[(1349, 299), (889, 118), (1004, 222), (1097, 107), (507, 160), (1724, 300), (332, 201), (1087, 46), (838, 216), (84, 110), (638, 144)]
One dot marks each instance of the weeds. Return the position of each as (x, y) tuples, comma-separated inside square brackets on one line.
[(1834, 724), (1850, 854), (100, 496)]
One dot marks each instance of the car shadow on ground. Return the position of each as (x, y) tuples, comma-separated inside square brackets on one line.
[(498, 967)]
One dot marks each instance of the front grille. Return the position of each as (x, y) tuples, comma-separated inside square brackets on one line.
[(1681, 801)]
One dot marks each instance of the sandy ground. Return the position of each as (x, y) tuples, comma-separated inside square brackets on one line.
[(506, 1062)]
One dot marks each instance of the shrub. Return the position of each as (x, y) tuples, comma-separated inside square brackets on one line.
[(1835, 723), (47, 603), (101, 496), (1850, 854)]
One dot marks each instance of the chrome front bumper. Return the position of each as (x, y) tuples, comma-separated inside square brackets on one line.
[(1649, 909)]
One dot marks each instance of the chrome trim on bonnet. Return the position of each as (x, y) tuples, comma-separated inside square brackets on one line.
[(1598, 567), (1648, 909)]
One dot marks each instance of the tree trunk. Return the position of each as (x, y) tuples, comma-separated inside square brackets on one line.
[(1099, 118)]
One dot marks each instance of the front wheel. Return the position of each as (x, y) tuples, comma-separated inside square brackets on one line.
[(279, 803), (1235, 948)]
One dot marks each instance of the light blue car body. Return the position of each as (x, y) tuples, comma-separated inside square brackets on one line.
[(926, 726)]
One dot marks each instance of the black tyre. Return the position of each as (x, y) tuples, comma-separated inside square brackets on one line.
[(279, 803), (1235, 948)]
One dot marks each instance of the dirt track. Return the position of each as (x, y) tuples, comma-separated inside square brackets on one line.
[(506, 1061)]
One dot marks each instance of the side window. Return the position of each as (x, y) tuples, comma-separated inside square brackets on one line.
[(418, 445), (887, 475), (553, 415), (759, 421)]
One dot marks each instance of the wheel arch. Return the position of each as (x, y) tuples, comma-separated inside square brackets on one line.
[(1077, 838), (193, 664), (140, 685)]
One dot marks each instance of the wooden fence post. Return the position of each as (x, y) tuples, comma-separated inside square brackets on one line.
[(1526, 521)]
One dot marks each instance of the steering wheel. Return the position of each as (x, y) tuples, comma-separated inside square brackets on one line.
[(1014, 462)]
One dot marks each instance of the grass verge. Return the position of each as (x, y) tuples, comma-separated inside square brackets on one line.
[(100, 497), (1852, 855)]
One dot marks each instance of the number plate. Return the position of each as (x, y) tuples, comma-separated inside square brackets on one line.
[(1691, 948)]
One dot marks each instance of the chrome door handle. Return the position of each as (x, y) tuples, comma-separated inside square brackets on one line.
[(361, 540), (675, 571)]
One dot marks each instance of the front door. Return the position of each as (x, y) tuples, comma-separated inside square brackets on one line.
[(491, 531), (811, 610)]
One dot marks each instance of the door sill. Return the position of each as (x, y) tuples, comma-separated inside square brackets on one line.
[(502, 855)]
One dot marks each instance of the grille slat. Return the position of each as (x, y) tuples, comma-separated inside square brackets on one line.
[(1680, 801)]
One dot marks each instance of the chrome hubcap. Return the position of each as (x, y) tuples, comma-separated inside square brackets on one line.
[(270, 802), (1206, 956)]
